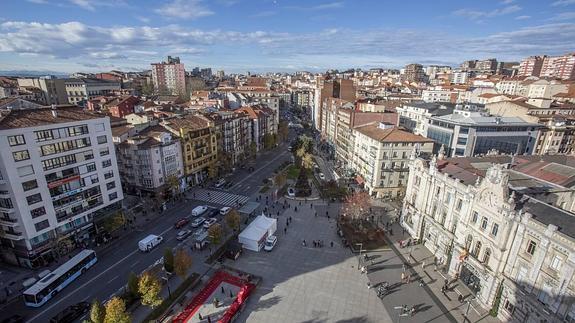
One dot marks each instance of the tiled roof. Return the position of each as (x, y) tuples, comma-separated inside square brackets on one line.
[(189, 122), (390, 135), (43, 116)]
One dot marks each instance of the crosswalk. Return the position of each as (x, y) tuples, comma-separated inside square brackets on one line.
[(218, 197)]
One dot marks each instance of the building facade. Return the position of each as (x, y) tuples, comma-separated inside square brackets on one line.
[(59, 174), (83, 89), (53, 89), (169, 77)]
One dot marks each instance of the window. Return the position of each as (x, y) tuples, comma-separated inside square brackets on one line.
[(102, 139), (483, 223), (90, 167), (110, 185), (474, 217), (29, 185), (458, 205), (38, 212), (486, 257), (108, 174), (112, 196), (531, 246), (6, 203), (555, 263), (510, 308), (32, 199), (477, 249), (20, 155), (107, 163), (100, 127), (494, 229), (104, 151), (16, 140), (41, 225), (468, 242), (25, 170)]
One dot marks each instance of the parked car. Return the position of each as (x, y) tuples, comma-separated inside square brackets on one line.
[(209, 222), (199, 210), (181, 223), (182, 235), (71, 313), (322, 176), (270, 243), (221, 182), (229, 184), (225, 210), (197, 222), (149, 242), (291, 192)]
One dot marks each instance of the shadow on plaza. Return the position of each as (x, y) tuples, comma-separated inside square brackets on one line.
[(361, 319)]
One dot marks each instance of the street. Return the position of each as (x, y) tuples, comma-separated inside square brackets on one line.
[(114, 265)]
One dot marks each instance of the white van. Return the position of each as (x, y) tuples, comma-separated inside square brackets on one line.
[(199, 210), (149, 242)]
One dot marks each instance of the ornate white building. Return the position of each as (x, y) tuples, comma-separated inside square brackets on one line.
[(513, 251)]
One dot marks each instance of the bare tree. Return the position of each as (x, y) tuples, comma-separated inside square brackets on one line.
[(356, 206)]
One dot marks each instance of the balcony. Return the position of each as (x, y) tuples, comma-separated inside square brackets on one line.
[(8, 221), (13, 235)]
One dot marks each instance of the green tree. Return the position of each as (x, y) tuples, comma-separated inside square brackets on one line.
[(280, 179), (225, 161), (116, 311), (182, 262), (215, 233), (233, 219), (173, 184), (212, 170), (283, 131), (147, 89), (253, 150), (268, 141), (169, 260), (149, 287), (133, 286), (97, 312)]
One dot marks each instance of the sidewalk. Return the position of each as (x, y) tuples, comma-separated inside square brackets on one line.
[(427, 298)]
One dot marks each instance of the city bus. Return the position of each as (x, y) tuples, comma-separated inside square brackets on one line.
[(54, 282)]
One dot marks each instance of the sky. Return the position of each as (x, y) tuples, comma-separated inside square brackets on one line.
[(277, 35)]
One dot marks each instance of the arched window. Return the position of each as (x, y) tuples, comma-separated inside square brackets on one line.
[(468, 242), (486, 257), (477, 249)]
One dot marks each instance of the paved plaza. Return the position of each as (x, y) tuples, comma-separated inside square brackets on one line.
[(308, 284)]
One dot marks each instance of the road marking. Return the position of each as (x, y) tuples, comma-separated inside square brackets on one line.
[(82, 286), (257, 170), (111, 280), (134, 263)]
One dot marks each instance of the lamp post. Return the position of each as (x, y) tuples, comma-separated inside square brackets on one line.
[(359, 258)]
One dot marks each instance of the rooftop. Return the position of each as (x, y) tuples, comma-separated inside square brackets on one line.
[(390, 135), (43, 116)]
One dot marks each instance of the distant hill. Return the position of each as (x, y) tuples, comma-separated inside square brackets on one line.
[(32, 73)]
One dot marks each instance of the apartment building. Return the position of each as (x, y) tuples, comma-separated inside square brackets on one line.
[(330, 88), (233, 133), (513, 250), (59, 175), (199, 145), (562, 67), (471, 133), (531, 66), (149, 161), (414, 73), (414, 115), (81, 90), (381, 155), (262, 124), (53, 90), (169, 77)]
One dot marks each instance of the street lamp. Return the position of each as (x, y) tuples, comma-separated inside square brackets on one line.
[(360, 250)]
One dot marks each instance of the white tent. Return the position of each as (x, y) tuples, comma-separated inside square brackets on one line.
[(254, 236)]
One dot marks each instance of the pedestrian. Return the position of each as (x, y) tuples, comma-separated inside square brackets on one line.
[(295, 208), (316, 214), (290, 219), (402, 277), (311, 205), (408, 278), (421, 282), (285, 230), (460, 298), (412, 311), (278, 213), (299, 203), (223, 291), (326, 213), (390, 231), (284, 206), (423, 264), (209, 320), (332, 244), (303, 242)]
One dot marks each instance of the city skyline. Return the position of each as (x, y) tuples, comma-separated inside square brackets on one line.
[(261, 36)]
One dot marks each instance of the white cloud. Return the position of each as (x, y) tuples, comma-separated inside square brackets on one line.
[(507, 1), (522, 17), (184, 9), (143, 19), (478, 14), (74, 44), (569, 15), (563, 3), (38, 1), (92, 4), (323, 6), (262, 14), (85, 4)]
